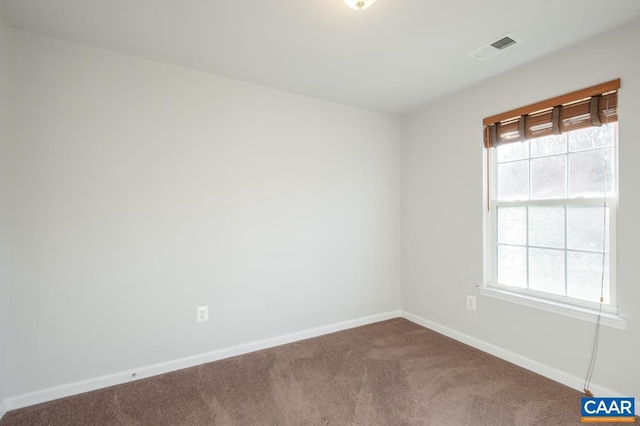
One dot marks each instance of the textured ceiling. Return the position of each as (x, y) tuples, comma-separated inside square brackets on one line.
[(393, 57)]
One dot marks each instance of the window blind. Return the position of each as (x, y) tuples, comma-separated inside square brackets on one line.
[(588, 107)]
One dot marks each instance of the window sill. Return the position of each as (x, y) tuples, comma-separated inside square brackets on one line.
[(584, 314)]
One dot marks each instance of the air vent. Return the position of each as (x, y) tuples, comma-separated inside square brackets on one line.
[(503, 43), (494, 48)]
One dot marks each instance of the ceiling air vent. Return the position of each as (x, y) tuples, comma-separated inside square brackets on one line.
[(494, 48), (503, 43)]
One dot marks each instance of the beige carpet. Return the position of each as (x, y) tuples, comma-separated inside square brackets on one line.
[(389, 373)]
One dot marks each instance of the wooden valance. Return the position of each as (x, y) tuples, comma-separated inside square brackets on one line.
[(588, 107)]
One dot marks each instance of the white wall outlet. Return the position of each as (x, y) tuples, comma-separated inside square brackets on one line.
[(471, 303), (202, 313)]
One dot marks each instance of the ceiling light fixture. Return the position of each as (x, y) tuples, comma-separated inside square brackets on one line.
[(359, 4)]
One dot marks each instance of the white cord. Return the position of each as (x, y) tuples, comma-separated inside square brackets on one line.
[(596, 339)]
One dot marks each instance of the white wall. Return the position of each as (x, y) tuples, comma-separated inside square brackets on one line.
[(443, 209), (5, 96), (142, 190)]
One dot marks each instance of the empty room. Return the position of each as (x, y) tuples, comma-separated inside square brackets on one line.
[(320, 212)]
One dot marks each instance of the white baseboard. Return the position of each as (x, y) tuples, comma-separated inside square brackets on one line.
[(514, 358), (69, 389), (3, 408)]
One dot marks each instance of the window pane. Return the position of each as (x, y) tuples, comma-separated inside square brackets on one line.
[(549, 145), (512, 225), (546, 226), (546, 270), (586, 173), (584, 276), (592, 137), (584, 228), (512, 266), (513, 181), (513, 151), (543, 242), (548, 177)]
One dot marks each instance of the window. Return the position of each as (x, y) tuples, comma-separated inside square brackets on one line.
[(552, 185)]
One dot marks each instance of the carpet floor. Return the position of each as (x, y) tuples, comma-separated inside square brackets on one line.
[(388, 373)]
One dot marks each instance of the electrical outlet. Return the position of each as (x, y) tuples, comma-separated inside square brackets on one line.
[(471, 303), (202, 313)]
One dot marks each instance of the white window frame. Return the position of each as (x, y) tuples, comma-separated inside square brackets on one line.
[(606, 314)]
